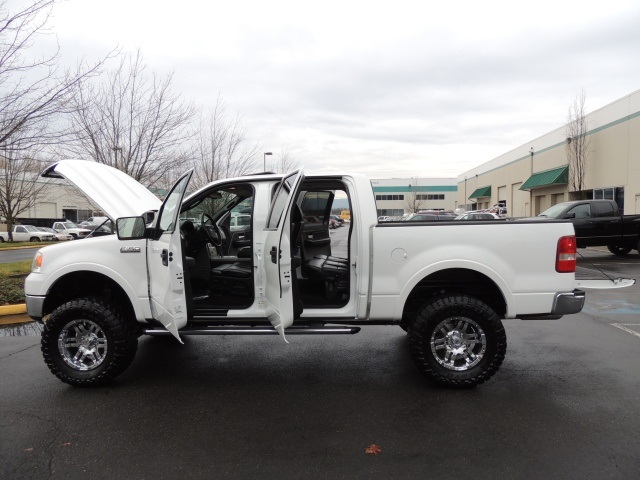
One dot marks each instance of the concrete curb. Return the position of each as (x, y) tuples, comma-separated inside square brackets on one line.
[(13, 309), (26, 247)]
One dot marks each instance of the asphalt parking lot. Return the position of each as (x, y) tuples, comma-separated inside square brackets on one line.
[(563, 405)]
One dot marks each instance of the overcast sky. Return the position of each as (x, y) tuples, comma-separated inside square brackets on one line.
[(389, 89)]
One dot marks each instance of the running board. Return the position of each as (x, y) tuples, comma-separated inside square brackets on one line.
[(257, 331)]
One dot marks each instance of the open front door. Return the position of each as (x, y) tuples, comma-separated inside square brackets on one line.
[(277, 255), (164, 257)]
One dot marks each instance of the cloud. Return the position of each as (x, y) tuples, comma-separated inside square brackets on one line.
[(391, 89)]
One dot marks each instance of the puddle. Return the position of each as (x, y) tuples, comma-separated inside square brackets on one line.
[(21, 329)]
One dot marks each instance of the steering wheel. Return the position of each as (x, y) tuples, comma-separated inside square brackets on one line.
[(211, 229)]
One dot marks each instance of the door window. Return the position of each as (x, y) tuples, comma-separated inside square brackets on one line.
[(603, 209), (280, 201), (168, 213), (581, 211)]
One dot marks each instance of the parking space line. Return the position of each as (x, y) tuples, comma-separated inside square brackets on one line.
[(623, 326)]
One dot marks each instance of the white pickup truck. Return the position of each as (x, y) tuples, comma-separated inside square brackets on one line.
[(72, 229), (27, 233), (449, 284)]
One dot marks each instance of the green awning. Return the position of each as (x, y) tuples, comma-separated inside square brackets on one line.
[(556, 176), (481, 192)]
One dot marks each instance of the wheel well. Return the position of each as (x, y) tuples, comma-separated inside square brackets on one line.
[(455, 281), (87, 284)]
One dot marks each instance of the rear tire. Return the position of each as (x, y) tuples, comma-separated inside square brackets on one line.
[(88, 342), (34, 239), (457, 341), (620, 251)]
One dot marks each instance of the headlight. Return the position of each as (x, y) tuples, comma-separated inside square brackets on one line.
[(36, 265)]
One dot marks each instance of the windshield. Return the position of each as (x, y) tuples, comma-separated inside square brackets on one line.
[(70, 225), (554, 212), (30, 228)]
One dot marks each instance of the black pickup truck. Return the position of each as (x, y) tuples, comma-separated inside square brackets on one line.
[(599, 223)]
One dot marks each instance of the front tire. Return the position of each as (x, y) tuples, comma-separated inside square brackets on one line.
[(88, 342), (457, 341), (620, 251)]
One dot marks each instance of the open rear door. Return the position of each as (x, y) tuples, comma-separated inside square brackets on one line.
[(277, 255), (164, 258)]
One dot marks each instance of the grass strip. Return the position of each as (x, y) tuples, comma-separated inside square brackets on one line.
[(12, 277), (9, 245)]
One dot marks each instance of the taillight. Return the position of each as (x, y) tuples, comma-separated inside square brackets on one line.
[(566, 255)]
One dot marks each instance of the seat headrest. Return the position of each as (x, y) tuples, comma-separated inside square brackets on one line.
[(187, 226)]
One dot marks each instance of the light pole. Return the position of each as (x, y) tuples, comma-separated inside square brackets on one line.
[(116, 149), (264, 161)]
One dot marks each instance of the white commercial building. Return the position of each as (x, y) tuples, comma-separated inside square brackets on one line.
[(397, 196), (534, 176)]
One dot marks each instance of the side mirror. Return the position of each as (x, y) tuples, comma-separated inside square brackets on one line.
[(570, 215), (130, 228)]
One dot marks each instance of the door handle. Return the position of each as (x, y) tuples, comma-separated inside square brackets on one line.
[(275, 254), (167, 257)]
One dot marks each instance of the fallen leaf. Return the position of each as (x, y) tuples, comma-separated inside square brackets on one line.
[(28, 449), (373, 449), (65, 444)]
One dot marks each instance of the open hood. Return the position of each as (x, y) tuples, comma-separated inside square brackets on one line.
[(115, 192)]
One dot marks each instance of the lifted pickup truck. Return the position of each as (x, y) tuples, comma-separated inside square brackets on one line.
[(449, 284), (599, 223)]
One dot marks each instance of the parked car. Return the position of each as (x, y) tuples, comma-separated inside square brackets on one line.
[(96, 230), (26, 233), (97, 220), (384, 218), (239, 222), (599, 223), (333, 223), (59, 237), (71, 228), (337, 219), (428, 217), (477, 216)]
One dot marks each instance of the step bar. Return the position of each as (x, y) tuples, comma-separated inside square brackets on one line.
[(262, 330)]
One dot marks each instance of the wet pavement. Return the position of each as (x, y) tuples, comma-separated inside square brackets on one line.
[(563, 405), (21, 327)]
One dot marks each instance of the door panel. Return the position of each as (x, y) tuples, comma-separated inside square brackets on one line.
[(166, 269), (276, 257)]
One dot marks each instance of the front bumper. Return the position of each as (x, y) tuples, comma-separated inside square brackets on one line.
[(35, 306), (564, 303)]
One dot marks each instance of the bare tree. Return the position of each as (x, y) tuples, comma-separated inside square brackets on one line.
[(131, 121), (221, 149), (413, 202), (32, 90), (20, 187), (577, 146), (285, 164), (33, 93)]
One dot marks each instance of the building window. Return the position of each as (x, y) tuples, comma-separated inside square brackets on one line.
[(611, 193), (389, 197), (430, 196)]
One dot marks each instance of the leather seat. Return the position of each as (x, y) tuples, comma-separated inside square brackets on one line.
[(232, 270), (332, 271), (325, 268), (331, 258)]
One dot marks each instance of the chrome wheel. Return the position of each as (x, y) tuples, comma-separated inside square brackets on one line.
[(82, 344), (458, 343)]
